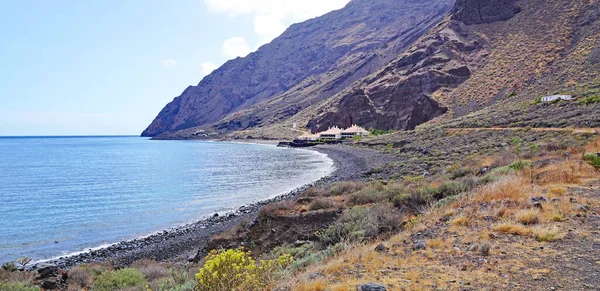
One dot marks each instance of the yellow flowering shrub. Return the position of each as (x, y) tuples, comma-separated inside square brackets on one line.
[(234, 269)]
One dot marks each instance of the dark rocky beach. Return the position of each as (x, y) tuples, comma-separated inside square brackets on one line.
[(188, 242)]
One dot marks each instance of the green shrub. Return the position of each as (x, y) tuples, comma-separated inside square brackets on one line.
[(343, 188), (459, 173), (359, 223), (235, 269), (18, 287), (10, 266), (519, 165), (118, 279), (314, 256), (376, 132), (537, 100), (322, 203), (450, 189), (593, 160), (355, 224), (171, 285), (366, 196), (591, 100)]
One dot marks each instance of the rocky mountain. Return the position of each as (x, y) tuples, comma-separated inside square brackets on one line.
[(486, 53), (308, 63), (399, 96), (463, 58)]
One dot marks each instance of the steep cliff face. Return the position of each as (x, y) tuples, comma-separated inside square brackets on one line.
[(310, 62), (403, 94), (399, 96), (484, 11)]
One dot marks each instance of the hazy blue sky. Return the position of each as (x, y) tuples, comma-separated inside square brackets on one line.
[(108, 67)]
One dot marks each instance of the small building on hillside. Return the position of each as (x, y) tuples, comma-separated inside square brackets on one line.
[(333, 133), (557, 97), (353, 131)]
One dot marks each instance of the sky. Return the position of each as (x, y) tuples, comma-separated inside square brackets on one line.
[(71, 67)]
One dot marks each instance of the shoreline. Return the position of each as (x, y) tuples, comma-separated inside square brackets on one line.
[(187, 242)]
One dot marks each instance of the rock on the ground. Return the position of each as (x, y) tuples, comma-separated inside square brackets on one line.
[(380, 248), (47, 272), (420, 245), (370, 287)]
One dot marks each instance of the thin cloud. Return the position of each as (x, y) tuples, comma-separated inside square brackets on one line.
[(169, 63), (208, 67), (236, 47)]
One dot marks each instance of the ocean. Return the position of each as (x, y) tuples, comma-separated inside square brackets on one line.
[(61, 195)]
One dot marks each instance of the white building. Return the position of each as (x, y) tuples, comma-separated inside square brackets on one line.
[(353, 131), (333, 133), (557, 97)]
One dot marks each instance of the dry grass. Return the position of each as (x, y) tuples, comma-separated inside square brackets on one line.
[(323, 203), (346, 187), (512, 228), (512, 188), (528, 216), (318, 285), (460, 221), (563, 173), (79, 278), (273, 210), (558, 191), (548, 233)]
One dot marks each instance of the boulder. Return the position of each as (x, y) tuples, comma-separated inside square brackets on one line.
[(370, 287), (420, 245), (484, 11), (380, 248), (47, 271)]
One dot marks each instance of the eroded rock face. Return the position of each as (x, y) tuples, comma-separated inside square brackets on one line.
[(484, 11), (308, 63), (399, 96)]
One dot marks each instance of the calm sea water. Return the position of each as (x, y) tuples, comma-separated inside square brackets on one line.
[(67, 194)]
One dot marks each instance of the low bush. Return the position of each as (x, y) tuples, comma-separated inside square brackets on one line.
[(484, 249), (80, 278), (591, 100), (118, 279), (272, 210), (527, 216), (512, 228), (519, 165), (10, 266), (315, 191), (18, 286), (235, 269), (459, 173), (312, 256), (322, 203), (460, 221), (155, 271), (355, 224), (344, 187), (593, 160), (366, 196), (172, 285), (548, 234), (359, 223)]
